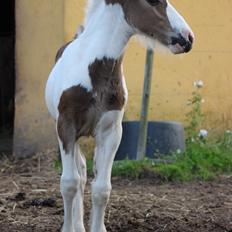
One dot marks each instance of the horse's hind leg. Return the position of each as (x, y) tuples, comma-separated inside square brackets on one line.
[(69, 185), (71, 178), (78, 211)]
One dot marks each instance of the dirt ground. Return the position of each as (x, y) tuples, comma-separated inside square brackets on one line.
[(30, 201)]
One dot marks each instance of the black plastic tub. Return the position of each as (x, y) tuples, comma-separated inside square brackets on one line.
[(163, 138)]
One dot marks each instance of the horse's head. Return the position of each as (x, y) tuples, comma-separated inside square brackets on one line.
[(158, 20)]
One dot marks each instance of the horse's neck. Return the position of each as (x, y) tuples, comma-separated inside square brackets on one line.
[(106, 33)]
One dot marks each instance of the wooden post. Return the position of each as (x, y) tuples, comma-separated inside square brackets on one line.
[(142, 140)]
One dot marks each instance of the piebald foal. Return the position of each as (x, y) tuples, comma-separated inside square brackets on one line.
[(86, 93)]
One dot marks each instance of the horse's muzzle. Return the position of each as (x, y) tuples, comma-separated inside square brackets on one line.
[(184, 43)]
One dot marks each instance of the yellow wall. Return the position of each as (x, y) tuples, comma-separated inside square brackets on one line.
[(39, 33), (42, 26)]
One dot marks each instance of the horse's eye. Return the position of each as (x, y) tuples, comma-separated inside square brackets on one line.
[(153, 2)]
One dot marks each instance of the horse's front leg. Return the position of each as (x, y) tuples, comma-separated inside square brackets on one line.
[(108, 137)]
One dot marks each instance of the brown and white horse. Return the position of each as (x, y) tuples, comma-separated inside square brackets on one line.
[(86, 93)]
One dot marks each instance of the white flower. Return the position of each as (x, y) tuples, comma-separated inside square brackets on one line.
[(203, 133), (198, 84), (178, 151), (229, 132)]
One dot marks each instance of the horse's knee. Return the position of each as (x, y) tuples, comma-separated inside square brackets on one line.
[(69, 186), (100, 193)]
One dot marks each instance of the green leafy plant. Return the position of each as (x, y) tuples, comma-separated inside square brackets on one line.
[(195, 116)]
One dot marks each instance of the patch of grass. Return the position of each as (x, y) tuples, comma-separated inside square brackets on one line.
[(201, 161), (132, 168), (58, 165), (89, 164), (127, 168)]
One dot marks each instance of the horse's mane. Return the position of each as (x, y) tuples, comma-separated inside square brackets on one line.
[(91, 7)]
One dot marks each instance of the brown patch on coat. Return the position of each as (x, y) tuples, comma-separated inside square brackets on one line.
[(80, 110), (150, 20), (75, 118), (106, 77)]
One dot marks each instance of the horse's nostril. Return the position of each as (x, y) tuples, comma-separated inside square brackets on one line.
[(191, 38), (179, 40), (174, 40), (182, 41), (185, 43), (188, 47)]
